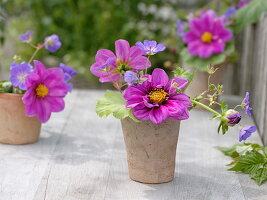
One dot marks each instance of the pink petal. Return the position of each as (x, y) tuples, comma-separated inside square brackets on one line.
[(141, 114), (39, 67), (158, 115), (135, 52), (122, 48), (103, 54), (140, 62), (43, 110), (159, 78), (57, 104)]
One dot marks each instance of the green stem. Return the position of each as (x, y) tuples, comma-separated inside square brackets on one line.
[(147, 64), (206, 107), (33, 55)]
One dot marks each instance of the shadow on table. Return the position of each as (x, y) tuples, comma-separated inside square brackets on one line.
[(186, 186)]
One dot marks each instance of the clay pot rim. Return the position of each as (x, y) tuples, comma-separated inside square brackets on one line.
[(12, 95)]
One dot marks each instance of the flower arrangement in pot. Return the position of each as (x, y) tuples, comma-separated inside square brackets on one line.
[(32, 94), (151, 107)]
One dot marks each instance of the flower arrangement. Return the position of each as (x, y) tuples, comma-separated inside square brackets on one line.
[(43, 89), (156, 98)]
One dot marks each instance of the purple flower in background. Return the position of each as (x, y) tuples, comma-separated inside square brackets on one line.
[(230, 12), (19, 73), (150, 47), (242, 3), (130, 77), (110, 67), (26, 37), (180, 27), (246, 132), (207, 35), (246, 104), (52, 43), (155, 99), (68, 74)]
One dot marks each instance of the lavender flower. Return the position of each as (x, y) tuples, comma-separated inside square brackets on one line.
[(19, 72), (68, 74), (246, 132), (233, 117), (130, 77), (246, 104), (150, 47), (180, 26), (230, 12), (26, 37), (52, 43)]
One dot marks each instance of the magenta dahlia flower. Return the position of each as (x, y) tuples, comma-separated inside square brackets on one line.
[(207, 35), (45, 92), (110, 67), (157, 98)]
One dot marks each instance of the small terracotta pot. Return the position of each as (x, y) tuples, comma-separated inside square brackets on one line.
[(151, 149), (15, 126), (200, 81)]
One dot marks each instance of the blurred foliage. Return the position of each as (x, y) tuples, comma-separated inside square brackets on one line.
[(84, 26)]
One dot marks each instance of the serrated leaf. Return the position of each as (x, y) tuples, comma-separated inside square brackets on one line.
[(260, 175), (250, 14), (249, 163), (112, 103)]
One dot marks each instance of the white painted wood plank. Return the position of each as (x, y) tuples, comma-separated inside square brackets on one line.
[(79, 168), (22, 166)]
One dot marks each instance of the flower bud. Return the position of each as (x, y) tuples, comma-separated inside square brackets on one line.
[(232, 117)]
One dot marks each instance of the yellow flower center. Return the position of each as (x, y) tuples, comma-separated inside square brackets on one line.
[(41, 91), (157, 95), (206, 37)]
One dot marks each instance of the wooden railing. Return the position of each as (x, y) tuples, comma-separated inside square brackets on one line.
[(251, 72)]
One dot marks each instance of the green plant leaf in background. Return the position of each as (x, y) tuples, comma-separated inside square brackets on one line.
[(6, 87), (202, 64), (249, 159), (250, 14), (113, 103)]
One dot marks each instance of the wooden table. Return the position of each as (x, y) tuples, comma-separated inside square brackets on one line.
[(80, 156)]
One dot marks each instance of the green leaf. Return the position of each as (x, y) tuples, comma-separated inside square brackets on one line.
[(224, 107), (200, 63), (249, 163), (242, 150), (181, 72), (113, 103), (250, 14), (229, 151), (260, 175), (6, 87)]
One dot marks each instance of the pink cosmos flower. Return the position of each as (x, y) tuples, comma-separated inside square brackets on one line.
[(45, 92), (157, 99), (110, 67), (207, 35)]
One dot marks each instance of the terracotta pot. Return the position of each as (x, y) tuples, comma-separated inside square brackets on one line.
[(151, 149), (15, 127), (200, 81)]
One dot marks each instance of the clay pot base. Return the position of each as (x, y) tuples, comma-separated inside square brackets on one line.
[(15, 127), (151, 150)]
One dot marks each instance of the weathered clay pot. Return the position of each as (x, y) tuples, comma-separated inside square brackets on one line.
[(200, 81), (15, 126), (151, 149)]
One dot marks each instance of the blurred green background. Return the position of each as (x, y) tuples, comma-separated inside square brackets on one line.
[(84, 26)]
